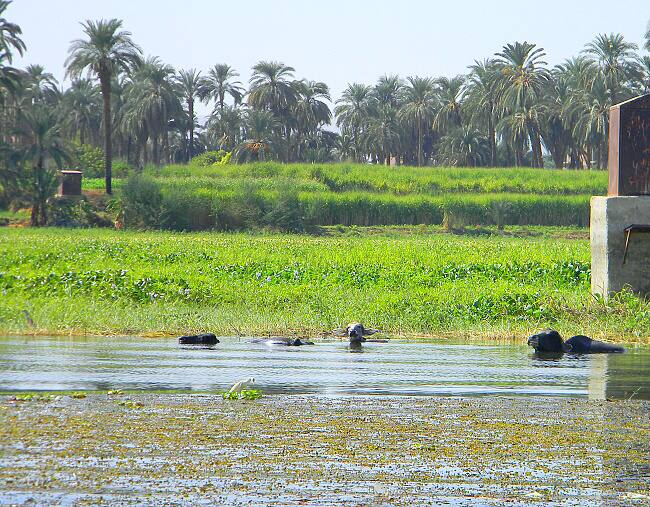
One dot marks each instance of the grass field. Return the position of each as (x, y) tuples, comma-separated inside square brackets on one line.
[(110, 282), (200, 198)]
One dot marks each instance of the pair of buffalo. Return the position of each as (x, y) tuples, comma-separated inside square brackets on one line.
[(355, 332), (550, 341)]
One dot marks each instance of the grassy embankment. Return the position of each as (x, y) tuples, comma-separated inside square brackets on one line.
[(363, 195), (109, 282)]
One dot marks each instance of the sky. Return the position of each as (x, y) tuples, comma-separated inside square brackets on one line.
[(334, 41)]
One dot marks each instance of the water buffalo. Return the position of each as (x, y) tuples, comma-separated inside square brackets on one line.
[(199, 339), (550, 341), (355, 332)]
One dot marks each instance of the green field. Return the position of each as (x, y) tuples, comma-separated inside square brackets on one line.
[(111, 282), (217, 197)]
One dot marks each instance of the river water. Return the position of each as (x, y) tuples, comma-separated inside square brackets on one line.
[(327, 368)]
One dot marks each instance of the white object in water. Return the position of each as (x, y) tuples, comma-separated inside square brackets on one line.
[(242, 385)]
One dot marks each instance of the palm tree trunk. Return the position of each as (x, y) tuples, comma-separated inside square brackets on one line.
[(155, 152), (492, 135), (105, 83), (190, 148), (419, 144)]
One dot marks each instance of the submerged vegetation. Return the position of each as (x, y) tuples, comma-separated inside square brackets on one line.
[(355, 451), (108, 282)]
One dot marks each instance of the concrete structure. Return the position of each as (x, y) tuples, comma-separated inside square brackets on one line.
[(70, 183), (609, 218), (620, 223)]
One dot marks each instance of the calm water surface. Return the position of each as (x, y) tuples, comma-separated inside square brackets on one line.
[(329, 368)]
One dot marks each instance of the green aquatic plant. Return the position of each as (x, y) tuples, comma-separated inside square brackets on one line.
[(130, 403), (33, 397), (246, 394)]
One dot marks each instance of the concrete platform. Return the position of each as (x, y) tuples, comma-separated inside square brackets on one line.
[(609, 218)]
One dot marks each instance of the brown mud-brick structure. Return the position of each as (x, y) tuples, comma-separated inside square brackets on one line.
[(620, 222), (629, 148), (70, 184)]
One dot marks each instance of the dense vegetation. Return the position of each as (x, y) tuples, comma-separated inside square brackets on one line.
[(504, 112), (101, 281), (300, 197)]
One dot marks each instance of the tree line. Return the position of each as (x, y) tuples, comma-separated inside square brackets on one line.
[(512, 109)]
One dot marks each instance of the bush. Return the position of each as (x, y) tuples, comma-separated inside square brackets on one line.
[(70, 212), (88, 159), (211, 158), (142, 203), (121, 169)]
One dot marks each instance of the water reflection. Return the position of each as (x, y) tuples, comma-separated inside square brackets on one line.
[(326, 368)]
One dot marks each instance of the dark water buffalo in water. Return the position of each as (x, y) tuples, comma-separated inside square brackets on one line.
[(199, 339), (355, 332), (550, 341), (287, 342)]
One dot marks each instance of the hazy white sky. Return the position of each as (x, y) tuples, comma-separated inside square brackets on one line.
[(335, 41)]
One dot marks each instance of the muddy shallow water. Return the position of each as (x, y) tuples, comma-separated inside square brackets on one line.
[(327, 368), (182, 449)]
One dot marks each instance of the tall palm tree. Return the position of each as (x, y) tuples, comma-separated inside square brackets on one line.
[(618, 63), (105, 52), (482, 101), (152, 101), (311, 110), (42, 133), (647, 38), (10, 77), (41, 86), (272, 89), (450, 97), (9, 35), (353, 112), (524, 78), (388, 90), (81, 109), (220, 82), (190, 84), (419, 108)]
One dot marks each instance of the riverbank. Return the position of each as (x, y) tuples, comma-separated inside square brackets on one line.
[(307, 450), (408, 282)]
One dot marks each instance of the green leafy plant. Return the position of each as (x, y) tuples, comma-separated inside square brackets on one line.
[(246, 394)]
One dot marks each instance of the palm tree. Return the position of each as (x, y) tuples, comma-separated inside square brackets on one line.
[(220, 82), (224, 127), (384, 134), (272, 89), (10, 78), (190, 84), (524, 78), (482, 101), (419, 107), (353, 113), (9, 35), (41, 86), (105, 52), (260, 138), (464, 147), (43, 143), (311, 111), (81, 109), (618, 63), (647, 37), (152, 101), (450, 97)]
